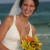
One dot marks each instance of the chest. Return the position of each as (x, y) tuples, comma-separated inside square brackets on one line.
[(23, 29)]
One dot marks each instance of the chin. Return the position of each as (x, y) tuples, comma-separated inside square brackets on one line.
[(27, 15)]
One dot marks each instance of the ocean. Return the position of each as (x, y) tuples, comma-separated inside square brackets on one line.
[(40, 19)]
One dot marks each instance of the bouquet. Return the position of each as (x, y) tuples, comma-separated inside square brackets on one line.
[(29, 43)]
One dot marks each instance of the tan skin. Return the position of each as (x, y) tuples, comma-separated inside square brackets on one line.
[(21, 22)]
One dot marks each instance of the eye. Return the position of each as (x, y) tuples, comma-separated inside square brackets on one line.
[(31, 6), (25, 4)]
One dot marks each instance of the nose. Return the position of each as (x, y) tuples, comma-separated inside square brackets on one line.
[(28, 7)]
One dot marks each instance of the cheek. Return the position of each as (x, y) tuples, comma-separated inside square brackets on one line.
[(32, 9), (23, 8)]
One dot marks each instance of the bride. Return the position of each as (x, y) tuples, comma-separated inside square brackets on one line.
[(16, 26)]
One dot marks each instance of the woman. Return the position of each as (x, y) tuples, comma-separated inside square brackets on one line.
[(15, 28)]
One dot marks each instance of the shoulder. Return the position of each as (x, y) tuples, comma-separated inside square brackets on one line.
[(8, 20), (33, 29)]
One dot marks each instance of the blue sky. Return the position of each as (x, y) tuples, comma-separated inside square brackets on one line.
[(12, 1)]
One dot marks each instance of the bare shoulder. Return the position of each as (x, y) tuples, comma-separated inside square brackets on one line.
[(7, 20), (33, 30), (6, 23), (33, 27)]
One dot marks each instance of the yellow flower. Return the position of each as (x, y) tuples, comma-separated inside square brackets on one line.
[(30, 43)]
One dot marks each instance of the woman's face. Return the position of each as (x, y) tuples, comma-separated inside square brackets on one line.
[(28, 7)]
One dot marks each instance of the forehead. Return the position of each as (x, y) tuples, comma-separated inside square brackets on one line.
[(29, 1)]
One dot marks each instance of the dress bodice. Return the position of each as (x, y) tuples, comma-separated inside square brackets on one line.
[(12, 37)]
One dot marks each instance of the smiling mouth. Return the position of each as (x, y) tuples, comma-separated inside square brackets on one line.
[(27, 12)]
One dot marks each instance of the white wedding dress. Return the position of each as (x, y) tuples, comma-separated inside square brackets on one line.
[(12, 37)]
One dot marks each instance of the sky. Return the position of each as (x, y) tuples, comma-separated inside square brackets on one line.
[(12, 1)]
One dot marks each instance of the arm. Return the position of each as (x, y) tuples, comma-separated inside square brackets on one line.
[(2, 47), (33, 30), (3, 29)]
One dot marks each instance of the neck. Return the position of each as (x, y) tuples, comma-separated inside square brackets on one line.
[(23, 18)]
